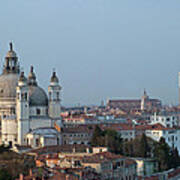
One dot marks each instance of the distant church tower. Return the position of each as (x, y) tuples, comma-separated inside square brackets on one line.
[(54, 98), (144, 99)]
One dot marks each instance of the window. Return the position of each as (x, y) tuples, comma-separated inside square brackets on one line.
[(77, 163), (57, 141), (10, 143), (37, 142), (38, 111), (57, 95), (26, 96), (49, 95), (13, 111)]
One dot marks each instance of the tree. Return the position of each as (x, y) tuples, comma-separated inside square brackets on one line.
[(174, 158), (4, 148), (113, 140), (162, 154), (4, 175), (144, 147), (97, 137), (141, 146), (108, 138)]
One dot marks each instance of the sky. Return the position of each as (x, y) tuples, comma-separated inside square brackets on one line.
[(101, 49)]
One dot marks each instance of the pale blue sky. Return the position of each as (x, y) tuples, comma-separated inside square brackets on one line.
[(100, 48)]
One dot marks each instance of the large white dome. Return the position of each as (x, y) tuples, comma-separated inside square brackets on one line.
[(8, 83)]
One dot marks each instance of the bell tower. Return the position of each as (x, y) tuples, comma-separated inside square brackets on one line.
[(54, 98), (22, 108), (144, 100)]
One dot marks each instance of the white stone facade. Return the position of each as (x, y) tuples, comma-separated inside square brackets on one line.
[(24, 106), (171, 136), (167, 120)]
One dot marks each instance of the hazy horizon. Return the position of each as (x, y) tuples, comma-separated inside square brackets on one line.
[(100, 49)]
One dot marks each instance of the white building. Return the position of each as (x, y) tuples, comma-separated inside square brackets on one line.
[(166, 119), (24, 105), (43, 137), (171, 135)]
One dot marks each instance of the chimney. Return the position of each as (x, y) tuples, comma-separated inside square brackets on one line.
[(87, 150), (68, 177), (21, 177), (74, 149), (30, 172)]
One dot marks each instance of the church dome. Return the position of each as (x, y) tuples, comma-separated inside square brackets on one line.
[(37, 96), (8, 83), (10, 77)]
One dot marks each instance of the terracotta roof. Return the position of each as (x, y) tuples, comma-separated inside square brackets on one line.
[(78, 129), (125, 101), (101, 157), (157, 126), (63, 148), (174, 173)]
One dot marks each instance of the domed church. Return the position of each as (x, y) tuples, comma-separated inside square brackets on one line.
[(27, 115)]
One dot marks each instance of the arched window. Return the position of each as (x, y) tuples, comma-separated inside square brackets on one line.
[(50, 96), (38, 111), (25, 96), (57, 95)]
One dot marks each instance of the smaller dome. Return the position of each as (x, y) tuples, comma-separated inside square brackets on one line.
[(37, 96), (22, 78)]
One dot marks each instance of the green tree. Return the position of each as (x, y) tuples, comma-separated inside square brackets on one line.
[(174, 158), (4, 148), (97, 137), (4, 175), (144, 147), (113, 141), (162, 155), (108, 138)]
